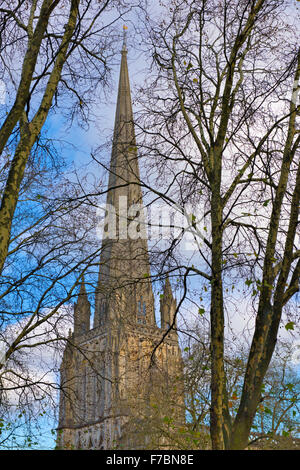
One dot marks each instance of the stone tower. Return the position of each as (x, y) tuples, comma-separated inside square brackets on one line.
[(119, 382)]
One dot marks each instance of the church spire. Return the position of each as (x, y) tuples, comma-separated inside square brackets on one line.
[(124, 264), (124, 168)]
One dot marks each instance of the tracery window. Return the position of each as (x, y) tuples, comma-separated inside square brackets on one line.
[(84, 393), (94, 391), (141, 311)]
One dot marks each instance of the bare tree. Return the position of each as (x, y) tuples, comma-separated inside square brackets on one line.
[(220, 127), (55, 57), (276, 424)]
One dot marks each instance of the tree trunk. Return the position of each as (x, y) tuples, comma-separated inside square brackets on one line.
[(217, 324)]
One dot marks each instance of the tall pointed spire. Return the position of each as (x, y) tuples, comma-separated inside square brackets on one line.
[(124, 168), (124, 258)]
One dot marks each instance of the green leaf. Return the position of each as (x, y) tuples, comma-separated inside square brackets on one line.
[(289, 325), (290, 386), (266, 202), (193, 219), (248, 282), (201, 311)]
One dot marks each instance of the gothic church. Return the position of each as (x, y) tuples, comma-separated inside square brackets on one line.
[(117, 390)]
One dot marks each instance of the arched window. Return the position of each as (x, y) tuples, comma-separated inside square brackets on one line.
[(94, 391), (84, 393), (63, 407), (141, 312)]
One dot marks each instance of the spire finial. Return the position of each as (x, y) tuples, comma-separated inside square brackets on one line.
[(82, 285), (124, 48), (168, 288)]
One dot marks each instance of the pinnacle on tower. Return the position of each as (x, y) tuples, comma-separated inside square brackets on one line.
[(82, 311), (168, 289), (168, 306)]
